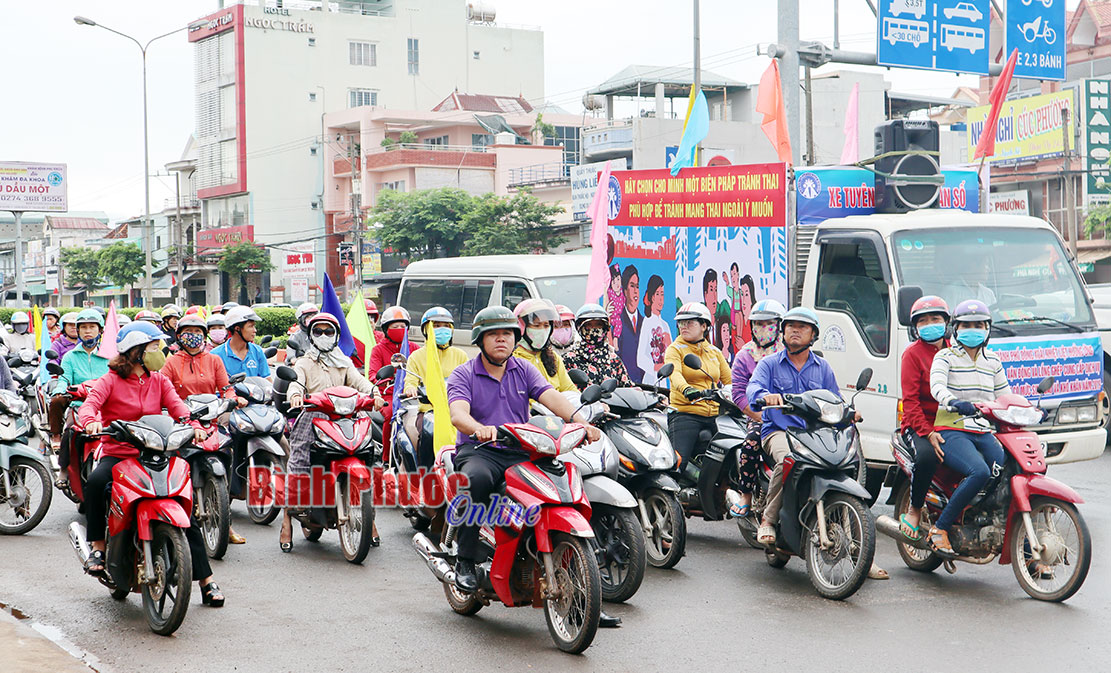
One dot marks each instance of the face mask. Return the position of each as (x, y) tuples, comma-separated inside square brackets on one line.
[(931, 332), (972, 338), (154, 359), (593, 335), (537, 337), (324, 342), (191, 340), (20, 328), (765, 335), (91, 343), (218, 335), (396, 334), (563, 337), (443, 336)]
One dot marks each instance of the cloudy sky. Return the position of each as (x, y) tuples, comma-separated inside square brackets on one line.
[(73, 93)]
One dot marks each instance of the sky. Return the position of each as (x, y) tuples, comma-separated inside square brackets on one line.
[(73, 94)]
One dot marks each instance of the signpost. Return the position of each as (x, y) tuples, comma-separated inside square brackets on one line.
[(947, 35), (1097, 141), (1037, 29), (30, 187)]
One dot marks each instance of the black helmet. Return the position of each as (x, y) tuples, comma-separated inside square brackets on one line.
[(492, 318)]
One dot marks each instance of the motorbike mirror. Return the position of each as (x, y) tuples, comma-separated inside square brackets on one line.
[(693, 361), (270, 352), (266, 340), (864, 378), (386, 372), (284, 373), (665, 371), (609, 385), (1046, 384), (238, 377), (578, 377), (51, 354), (591, 395), (908, 294), (54, 369)]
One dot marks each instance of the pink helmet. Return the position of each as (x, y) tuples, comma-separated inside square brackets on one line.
[(535, 310)]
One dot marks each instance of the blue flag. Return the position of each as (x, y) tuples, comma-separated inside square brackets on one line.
[(694, 131), (399, 377), (331, 305)]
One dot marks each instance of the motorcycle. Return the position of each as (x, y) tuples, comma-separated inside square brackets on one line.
[(252, 437), (150, 501), (24, 366), (824, 517), (1022, 516), (344, 445), (538, 535), (25, 484), (406, 457)]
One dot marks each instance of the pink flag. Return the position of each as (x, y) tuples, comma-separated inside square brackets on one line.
[(850, 153), (111, 329), (599, 215)]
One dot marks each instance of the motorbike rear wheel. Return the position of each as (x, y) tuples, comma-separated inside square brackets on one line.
[(852, 530), (667, 538), (217, 524), (1064, 534), (265, 510), (356, 532), (622, 559), (573, 617), (26, 503), (167, 599), (922, 560)]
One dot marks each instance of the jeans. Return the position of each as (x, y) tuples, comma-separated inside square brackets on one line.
[(925, 465), (975, 455)]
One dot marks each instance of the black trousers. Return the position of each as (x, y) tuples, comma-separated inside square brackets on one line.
[(485, 468), (684, 429), (96, 499), (925, 465)]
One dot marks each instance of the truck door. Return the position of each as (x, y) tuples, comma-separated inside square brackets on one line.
[(850, 287)]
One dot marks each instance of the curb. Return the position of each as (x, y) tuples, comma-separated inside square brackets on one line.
[(28, 651)]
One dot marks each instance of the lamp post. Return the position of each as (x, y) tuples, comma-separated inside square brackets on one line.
[(148, 290)]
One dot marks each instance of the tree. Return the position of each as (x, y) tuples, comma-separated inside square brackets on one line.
[(82, 267), (423, 221), (1098, 218), (239, 258), (407, 138), (121, 263), (506, 226), (541, 130)]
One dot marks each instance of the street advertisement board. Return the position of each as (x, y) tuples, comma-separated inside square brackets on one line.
[(584, 182), (823, 192), (949, 35), (1037, 29), (299, 260), (1029, 128), (1015, 202), (715, 235), (1097, 141), (33, 187)]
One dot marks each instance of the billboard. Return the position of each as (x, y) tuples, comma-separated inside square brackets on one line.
[(584, 182), (299, 260), (1097, 141), (840, 191), (1029, 128), (1015, 202), (212, 240), (715, 235), (33, 187)]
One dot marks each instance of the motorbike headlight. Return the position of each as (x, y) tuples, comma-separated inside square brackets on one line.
[(278, 425), (571, 439), (663, 460), (178, 438), (344, 406), (1018, 415), (242, 422), (831, 412), (541, 442), (150, 439)]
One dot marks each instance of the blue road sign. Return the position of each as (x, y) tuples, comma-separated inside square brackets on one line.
[(947, 35), (1037, 29)]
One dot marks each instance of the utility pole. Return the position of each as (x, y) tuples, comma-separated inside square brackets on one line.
[(179, 241), (697, 67), (809, 118), (789, 68), (18, 258), (1068, 201)]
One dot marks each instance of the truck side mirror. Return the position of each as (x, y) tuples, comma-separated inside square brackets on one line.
[(907, 296), (1046, 384)]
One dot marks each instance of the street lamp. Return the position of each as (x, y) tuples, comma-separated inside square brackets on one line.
[(148, 293)]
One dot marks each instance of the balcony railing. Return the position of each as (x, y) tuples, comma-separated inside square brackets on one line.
[(419, 154), (539, 174)]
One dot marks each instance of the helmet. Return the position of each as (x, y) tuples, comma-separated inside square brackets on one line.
[(239, 315), (306, 309), (20, 317), (215, 320), (694, 310), (972, 310), (925, 306), (371, 309), (805, 315), (191, 320), (194, 309), (565, 314), (436, 314), (534, 310), (767, 309), (395, 314), (148, 316), (324, 317), (123, 319), (492, 318), (88, 316), (591, 312), (71, 317), (50, 310), (171, 311), (228, 306), (138, 333)]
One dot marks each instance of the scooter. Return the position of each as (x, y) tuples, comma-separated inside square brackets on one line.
[(150, 501), (408, 459), (82, 449), (1022, 516), (252, 437), (24, 366), (824, 517), (25, 485), (538, 534)]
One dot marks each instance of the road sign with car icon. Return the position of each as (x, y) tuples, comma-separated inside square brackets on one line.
[(934, 34)]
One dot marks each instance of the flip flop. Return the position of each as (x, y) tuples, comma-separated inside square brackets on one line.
[(904, 526), (877, 573), (739, 512), (940, 545)]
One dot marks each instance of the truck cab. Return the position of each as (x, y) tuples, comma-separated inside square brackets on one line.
[(857, 271)]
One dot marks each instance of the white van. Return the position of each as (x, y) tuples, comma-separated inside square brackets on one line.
[(466, 285)]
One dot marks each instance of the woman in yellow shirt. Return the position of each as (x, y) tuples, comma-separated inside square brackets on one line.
[(443, 328), (536, 318)]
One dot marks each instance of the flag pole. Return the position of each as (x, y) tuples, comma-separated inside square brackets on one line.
[(697, 69)]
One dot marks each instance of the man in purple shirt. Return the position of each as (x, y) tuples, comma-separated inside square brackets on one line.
[(491, 390)]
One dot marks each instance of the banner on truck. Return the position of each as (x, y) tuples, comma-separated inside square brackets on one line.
[(716, 235), (1075, 360), (840, 191)]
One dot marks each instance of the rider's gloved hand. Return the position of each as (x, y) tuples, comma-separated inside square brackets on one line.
[(694, 394), (964, 408)]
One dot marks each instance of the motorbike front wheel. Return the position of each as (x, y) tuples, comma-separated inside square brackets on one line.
[(1059, 571), (166, 599), (24, 502), (356, 532), (837, 571), (622, 555), (573, 616), (216, 525), (667, 533), (263, 508)]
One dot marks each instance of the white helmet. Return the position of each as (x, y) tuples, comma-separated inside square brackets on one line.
[(306, 311), (694, 310), (238, 316), (20, 317)]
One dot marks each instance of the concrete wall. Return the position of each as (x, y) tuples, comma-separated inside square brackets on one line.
[(831, 99), (473, 181)]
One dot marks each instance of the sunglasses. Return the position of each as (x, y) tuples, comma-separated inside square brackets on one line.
[(327, 331)]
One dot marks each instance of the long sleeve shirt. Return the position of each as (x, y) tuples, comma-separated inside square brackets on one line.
[(115, 398), (714, 364), (450, 358), (380, 356), (198, 374), (561, 380), (79, 365), (316, 377), (954, 376), (776, 374), (62, 345), (919, 405)]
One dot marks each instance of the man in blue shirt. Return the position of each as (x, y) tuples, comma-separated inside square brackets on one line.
[(239, 353)]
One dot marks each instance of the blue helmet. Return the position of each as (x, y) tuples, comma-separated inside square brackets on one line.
[(767, 309), (436, 314), (591, 312), (138, 333), (805, 315)]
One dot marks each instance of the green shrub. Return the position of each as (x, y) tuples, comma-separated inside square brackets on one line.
[(275, 321)]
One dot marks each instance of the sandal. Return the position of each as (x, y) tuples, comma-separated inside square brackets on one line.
[(914, 534), (211, 595), (877, 573), (765, 535), (95, 559), (286, 546), (939, 543), (236, 538)]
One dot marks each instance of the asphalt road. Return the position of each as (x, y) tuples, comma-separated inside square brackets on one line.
[(722, 607)]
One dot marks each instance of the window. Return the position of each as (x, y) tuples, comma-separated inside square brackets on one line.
[(438, 140), (396, 185), (481, 140), (850, 280), (513, 292), (312, 96), (564, 290), (462, 297), (312, 41), (362, 53), (361, 97), (476, 56), (414, 56), (228, 161)]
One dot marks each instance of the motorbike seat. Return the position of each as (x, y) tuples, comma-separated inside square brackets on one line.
[(448, 458)]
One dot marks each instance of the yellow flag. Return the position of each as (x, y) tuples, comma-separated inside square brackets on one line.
[(37, 325), (358, 322), (443, 433)]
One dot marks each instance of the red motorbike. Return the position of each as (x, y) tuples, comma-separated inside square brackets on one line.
[(1022, 516), (210, 466), (83, 449), (337, 492), (537, 531), (148, 514)]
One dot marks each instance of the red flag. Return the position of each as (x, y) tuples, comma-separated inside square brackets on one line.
[(769, 103), (986, 146)]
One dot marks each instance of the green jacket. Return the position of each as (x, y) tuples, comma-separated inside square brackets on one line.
[(79, 366)]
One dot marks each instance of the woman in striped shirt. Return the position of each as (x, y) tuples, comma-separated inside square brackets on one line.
[(961, 375)]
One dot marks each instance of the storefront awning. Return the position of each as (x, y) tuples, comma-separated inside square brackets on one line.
[(1092, 256)]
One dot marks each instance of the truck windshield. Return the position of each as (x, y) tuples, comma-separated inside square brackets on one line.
[(1023, 275), (566, 290)]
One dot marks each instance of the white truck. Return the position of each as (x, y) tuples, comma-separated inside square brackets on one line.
[(862, 273)]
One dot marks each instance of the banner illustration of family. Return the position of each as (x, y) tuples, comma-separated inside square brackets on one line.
[(717, 235)]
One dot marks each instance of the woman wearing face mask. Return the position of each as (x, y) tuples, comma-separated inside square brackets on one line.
[(655, 335), (395, 325), (593, 355), (217, 335), (961, 375), (79, 365), (322, 366), (563, 333), (443, 330), (134, 388), (536, 317), (67, 340)]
